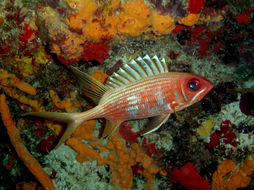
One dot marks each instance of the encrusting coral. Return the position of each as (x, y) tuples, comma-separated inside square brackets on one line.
[(68, 105), (28, 65), (190, 20), (130, 18), (63, 42), (15, 88), (31, 163), (120, 158), (99, 22), (231, 176), (205, 129), (9, 83)]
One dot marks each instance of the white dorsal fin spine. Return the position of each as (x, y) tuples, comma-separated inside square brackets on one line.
[(142, 70), (153, 67), (121, 78), (164, 65), (145, 66), (125, 74), (132, 72), (134, 65), (115, 81), (111, 84), (158, 64), (136, 70), (128, 74)]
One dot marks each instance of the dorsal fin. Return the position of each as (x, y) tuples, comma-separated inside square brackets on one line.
[(137, 69), (90, 87)]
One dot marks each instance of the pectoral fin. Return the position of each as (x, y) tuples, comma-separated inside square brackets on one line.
[(177, 116), (109, 128), (155, 123)]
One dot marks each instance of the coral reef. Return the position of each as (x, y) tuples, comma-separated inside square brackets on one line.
[(119, 157), (207, 146), (18, 29), (72, 39)]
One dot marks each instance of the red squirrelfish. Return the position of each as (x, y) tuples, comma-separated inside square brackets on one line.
[(143, 88)]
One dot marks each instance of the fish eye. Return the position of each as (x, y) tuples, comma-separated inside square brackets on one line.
[(194, 85)]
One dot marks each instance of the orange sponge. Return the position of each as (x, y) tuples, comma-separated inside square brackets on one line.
[(120, 157), (230, 176)]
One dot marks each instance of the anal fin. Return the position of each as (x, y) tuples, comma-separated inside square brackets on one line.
[(155, 123), (109, 128)]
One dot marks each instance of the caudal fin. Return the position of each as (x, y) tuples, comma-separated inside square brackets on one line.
[(73, 120), (69, 130)]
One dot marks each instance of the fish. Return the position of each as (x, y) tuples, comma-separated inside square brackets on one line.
[(142, 88)]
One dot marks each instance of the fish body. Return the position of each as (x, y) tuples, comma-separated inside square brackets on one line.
[(141, 89), (160, 94)]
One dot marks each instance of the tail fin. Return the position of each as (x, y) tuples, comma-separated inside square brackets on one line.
[(73, 120)]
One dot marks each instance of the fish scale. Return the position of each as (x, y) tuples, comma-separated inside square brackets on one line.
[(145, 96), (140, 89)]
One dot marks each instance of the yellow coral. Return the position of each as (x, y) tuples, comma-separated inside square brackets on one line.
[(24, 65), (189, 20), (130, 18), (134, 18), (28, 65), (205, 129), (83, 14), (42, 57), (162, 24), (95, 21), (10, 83)]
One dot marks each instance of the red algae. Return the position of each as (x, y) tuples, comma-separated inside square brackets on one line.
[(188, 177), (96, 51), (126, 132), (195, 6), (226, 133), (151, 149)]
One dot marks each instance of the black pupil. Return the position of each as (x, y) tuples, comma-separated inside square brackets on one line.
[(194, 85)]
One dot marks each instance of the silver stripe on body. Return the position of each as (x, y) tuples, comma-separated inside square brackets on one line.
[(176, 96)]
